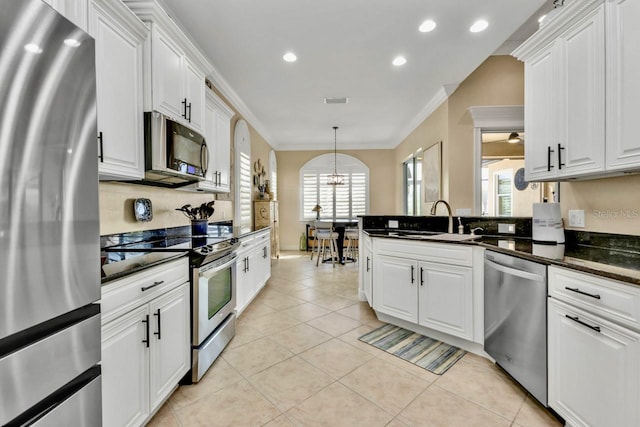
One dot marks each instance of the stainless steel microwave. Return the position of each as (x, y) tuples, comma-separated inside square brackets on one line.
[(174, 154)]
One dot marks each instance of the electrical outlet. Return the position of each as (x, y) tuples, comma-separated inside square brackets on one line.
[(393, 223), (507, 228), (576, 218)]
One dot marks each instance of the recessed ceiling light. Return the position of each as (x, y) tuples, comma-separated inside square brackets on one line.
[(72, 42), (541, 19), (290, 57), (399, 60), (32, 48), (479, 25), (427, 26)]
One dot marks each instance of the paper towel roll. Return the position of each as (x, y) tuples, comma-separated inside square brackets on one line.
[(547, 223)]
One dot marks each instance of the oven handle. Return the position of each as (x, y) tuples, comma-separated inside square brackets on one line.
[(217, 265), (514, 272)]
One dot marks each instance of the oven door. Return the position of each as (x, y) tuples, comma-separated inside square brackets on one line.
[(214, 296)]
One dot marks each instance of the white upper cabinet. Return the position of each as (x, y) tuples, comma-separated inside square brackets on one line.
[(119, 36), (217, 134), (623, 84), (581, 92), (178, 84), (174, 69), (564, 99), (166, 75)]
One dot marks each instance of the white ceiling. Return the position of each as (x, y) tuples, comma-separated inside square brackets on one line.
[(345, 49)]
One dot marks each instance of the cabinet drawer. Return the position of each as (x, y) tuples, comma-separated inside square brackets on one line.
[(610, 299), (446, 253), (123, 295)]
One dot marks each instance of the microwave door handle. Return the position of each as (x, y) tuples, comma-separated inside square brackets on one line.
[(204, 158)]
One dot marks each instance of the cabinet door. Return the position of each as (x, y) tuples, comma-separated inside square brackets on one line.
[(395, 287), (445, 298), (223, 150), (541, 114), (244, 288), (194, 93), (367, 274), (210, 138), (581, 143), (119, 95), (167, 76), (594, 375), (170, 357), (125, 370), (623, 85)]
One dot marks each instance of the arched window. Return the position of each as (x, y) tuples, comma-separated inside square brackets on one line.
[(345, 201)]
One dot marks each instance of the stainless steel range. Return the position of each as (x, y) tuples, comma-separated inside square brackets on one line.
[(213, 293), (213, 285)]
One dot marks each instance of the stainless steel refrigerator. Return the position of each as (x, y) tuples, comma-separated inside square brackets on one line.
[(49, 226)]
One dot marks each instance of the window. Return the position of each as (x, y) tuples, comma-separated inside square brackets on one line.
[(503, 192), (412, 172), (242, 146), (345, 201)]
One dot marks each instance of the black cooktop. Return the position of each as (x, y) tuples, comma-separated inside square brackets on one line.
[(122, 254)]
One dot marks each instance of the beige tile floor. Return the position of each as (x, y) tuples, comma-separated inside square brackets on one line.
[(296, 361)]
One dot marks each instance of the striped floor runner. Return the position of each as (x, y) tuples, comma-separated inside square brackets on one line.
[(432, 355)]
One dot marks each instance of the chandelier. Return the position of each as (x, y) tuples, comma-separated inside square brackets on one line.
[(335, 179)]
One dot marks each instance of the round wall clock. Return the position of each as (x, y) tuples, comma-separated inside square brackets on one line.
[(519, 181)]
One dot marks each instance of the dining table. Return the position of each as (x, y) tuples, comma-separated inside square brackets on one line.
[(340, 226)]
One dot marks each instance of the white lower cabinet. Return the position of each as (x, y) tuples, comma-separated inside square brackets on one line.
[(593, 349), (145, 351), (594, 369), (253, 267), (367, 268), (445, 299), (394, 287), (430, 285)]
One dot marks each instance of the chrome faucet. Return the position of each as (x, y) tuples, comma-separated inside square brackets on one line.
[(433, 212)]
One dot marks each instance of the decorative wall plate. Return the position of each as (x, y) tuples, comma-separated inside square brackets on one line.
[(142, 210), (519, 181)]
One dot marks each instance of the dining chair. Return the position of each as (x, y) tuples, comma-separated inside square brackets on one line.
[(325, 236)]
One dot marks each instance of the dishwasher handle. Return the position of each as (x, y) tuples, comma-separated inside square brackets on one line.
[(514, 272)]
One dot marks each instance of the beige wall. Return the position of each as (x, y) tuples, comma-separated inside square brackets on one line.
[(429, 132), (382, 188), (611, 205), (497, 81)]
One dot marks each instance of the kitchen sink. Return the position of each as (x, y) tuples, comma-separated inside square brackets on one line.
[(441, 236)]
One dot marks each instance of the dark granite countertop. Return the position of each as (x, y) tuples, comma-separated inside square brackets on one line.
[(117, 264), (620, 263)]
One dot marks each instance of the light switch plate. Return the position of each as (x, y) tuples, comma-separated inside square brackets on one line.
[(393, 223), (507, 228), (576, 218)]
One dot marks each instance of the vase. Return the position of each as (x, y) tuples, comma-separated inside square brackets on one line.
[(199, 227)]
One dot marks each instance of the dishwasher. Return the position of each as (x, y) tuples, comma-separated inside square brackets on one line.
[(515, 319)]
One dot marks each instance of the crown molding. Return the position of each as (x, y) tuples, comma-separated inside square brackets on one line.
[(442, 95), (498, 116)]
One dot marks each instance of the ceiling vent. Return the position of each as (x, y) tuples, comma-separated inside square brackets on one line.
[(343, 100)]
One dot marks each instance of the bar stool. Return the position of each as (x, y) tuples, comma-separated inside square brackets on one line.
[(351, 251), (326, 236)]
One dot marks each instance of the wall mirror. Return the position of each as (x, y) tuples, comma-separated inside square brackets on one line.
[(500, 188)]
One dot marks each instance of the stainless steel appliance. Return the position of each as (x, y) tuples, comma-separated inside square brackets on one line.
[(49, 225), (213, 286), (174, 154), (515, 319), (213, 279)]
